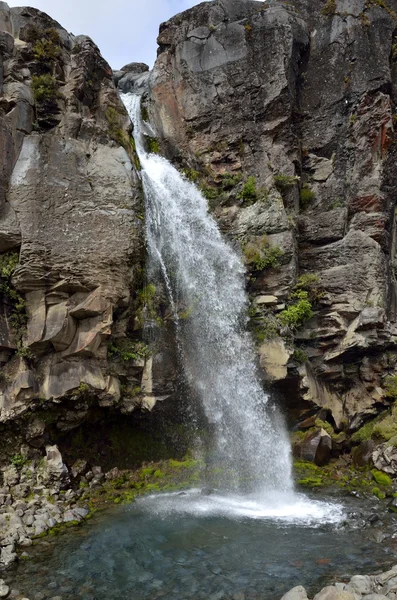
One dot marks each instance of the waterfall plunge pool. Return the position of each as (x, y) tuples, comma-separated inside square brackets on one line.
[(209, 547)]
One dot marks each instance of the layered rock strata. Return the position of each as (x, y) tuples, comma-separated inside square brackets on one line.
[(284, 114)]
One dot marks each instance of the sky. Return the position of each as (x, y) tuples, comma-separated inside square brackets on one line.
[(124, 30)]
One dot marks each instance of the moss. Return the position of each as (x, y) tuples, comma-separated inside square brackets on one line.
[(210, 193), (19, 461), (147, 472), (115, 119), (191, 174), (152, 145), (385, 428), (185, 464), (377, 492), (390, 385), (159, 474), (381, 478), (310, 482), (326, 426), (144, 113), (153, 487), (364, 433), (18, 318), (300, 356), (303, 465), (127, 350)]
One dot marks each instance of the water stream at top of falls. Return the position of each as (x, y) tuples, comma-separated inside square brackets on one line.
[(204, 274)]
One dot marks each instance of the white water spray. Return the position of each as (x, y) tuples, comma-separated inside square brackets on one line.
[(206, 276)]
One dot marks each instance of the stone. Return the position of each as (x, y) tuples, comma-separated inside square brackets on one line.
[(317, 447), (52, 470), (78, 468), (362, 454), (361, 584), (297, 593), (274, 356), (8, 556), (331, 593), (4, 589), (135, 68)]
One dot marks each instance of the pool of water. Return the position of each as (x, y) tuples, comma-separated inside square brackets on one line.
[(212, 547)]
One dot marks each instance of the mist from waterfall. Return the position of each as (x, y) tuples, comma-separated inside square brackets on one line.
[(204, 274)]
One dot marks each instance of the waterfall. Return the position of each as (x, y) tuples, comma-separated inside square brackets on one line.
[(205, 275)]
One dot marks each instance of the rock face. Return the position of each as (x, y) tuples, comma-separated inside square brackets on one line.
[(285, 115), (71, 235)]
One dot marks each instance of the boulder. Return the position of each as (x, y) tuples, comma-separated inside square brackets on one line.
[(297, 593), (135, 67), (317, 447)]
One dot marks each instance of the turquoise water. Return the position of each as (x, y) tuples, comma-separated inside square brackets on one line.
[(194, 547)]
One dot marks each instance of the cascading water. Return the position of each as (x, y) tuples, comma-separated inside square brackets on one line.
[(204, 274)]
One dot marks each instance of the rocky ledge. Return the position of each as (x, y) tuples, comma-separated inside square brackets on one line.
[(369, 587)]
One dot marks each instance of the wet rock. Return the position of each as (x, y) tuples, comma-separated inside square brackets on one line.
[(317, 447), (362, 454)]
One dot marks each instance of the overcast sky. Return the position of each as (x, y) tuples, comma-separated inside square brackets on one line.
[(124, 30)]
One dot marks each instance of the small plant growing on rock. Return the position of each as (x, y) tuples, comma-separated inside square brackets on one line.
[(249, 191), (297, 313), (83, 388), (45, 88), (306, 196), (390, 385), (267, 329), (229, 180), (18, 319), (127, 350), (262, 255), (152, 144), (329, 9), (283, 182), (116, 132), (18, 460), (300, 356), (191, 174), (310, 282)]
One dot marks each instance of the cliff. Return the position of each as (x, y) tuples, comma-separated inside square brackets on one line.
[(71, 233), (284, 114)]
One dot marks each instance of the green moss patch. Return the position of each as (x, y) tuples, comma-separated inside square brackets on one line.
[(381, 478)]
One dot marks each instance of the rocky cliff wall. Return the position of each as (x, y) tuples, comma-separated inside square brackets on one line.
[(72, 279), (285, 115)]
